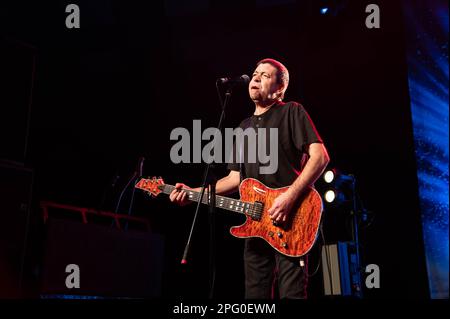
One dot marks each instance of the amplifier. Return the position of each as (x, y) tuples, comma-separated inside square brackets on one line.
[(109, 262), (340, 270)]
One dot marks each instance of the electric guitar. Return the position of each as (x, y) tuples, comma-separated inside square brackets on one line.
[(294, 237)]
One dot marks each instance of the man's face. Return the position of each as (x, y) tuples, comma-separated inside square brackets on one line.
[(264, 84)]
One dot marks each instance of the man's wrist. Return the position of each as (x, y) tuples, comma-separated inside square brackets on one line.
[(293, 192)]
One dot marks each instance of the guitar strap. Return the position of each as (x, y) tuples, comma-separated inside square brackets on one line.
[(245, 125)]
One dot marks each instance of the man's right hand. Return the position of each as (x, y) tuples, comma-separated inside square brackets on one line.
[(178, 195)]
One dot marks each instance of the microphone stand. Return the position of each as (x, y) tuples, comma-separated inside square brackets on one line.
[(136, 174), (209, 180), (123, 191), (355, 237)]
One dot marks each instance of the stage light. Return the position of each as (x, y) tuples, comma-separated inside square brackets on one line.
[(330, 196), (328, 176), (337, 178), (329, 8), (323, 10), (337, 187), (335, 197)]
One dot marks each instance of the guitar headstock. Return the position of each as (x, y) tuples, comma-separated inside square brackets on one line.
[(153, 186)]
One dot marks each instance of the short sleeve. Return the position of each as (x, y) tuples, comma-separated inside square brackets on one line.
[(303, 130)]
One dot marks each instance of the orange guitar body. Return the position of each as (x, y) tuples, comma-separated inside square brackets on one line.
[(297, 235)]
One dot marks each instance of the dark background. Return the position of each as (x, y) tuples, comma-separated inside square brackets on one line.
[(113, 90)]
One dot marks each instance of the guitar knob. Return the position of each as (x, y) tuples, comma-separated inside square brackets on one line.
[(271, 234), (284, 245), (280, 235)]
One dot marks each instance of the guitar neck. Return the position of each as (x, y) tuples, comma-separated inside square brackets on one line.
[(226, 203)]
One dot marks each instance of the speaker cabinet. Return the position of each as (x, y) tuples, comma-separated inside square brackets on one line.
[(110, 262)]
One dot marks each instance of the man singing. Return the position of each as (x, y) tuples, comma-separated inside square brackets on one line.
[(302, 157)]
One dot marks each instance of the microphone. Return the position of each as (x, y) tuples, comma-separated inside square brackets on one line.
[(244, 79)]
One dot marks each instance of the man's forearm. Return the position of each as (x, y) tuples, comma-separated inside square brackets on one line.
[(313, 169), (227, 184)]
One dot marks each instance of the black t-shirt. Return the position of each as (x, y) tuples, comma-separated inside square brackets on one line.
[(295, 132)]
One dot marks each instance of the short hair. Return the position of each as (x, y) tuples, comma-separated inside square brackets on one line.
[(282, 73)]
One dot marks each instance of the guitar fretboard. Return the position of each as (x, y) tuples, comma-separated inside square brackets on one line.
[(254, 210)]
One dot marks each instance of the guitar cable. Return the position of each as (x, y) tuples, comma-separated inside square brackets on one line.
[(320, 260), (324, 246), (327, 257)]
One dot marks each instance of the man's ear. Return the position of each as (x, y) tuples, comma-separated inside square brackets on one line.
[(279, 92)]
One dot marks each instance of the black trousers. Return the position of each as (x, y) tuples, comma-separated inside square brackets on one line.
[(263, 264)]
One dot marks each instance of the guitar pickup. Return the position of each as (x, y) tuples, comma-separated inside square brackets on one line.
[(257, 209)]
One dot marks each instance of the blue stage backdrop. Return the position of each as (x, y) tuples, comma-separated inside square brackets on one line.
[(427, 42)]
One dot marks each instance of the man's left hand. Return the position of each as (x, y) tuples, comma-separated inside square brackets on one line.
[(281, 207)]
